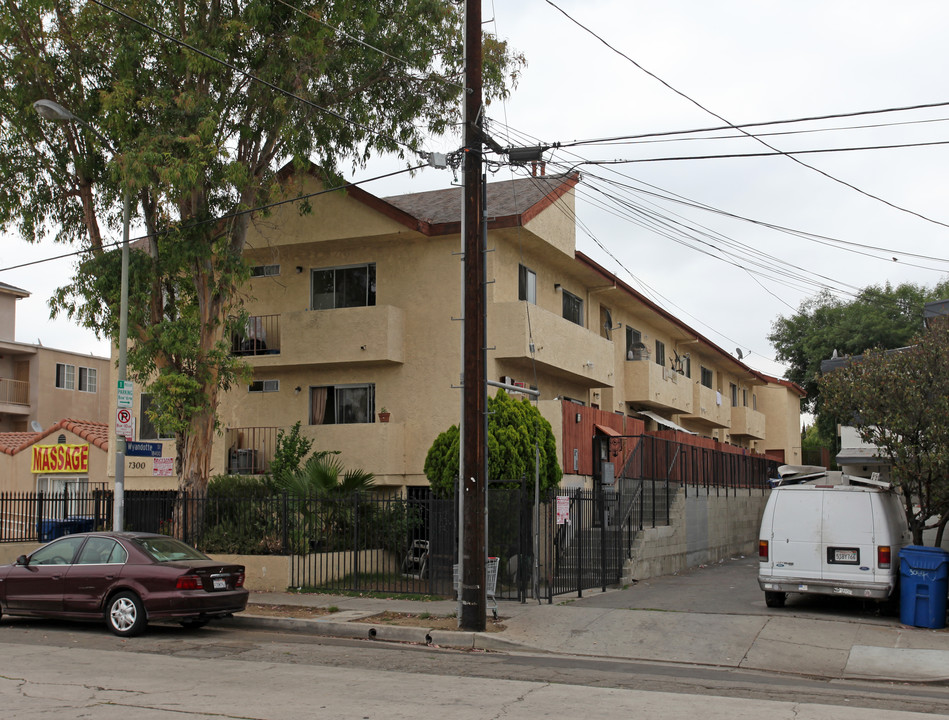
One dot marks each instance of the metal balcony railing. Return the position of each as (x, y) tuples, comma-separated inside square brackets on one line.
[(14, 392)]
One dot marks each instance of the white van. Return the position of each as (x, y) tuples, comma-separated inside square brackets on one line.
[(832, 534)]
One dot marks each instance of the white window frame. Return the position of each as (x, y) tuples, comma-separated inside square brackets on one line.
[(66, 380), (89, 383), (526, 284), (264, 386), (264, 271)]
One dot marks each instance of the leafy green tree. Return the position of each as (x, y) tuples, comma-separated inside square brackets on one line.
[(514, 427), (884, 317), (899, 401), (290, 450), (203, 102)]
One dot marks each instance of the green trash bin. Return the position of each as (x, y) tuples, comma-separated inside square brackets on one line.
[(924, 585)]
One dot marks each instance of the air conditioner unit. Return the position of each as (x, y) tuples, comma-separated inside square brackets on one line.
[(242, 462)]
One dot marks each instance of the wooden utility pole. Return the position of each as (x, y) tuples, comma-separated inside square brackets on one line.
[(472, 581)]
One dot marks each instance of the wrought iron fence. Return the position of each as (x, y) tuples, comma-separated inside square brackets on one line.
[(575, 540)]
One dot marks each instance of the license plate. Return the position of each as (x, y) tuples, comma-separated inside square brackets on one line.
[(845, 556), (220, 584)]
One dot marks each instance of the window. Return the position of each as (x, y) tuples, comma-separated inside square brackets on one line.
[(65, 376), (635, 350), (102, 551), (733, 388), (686, 366), (707, 377), (660, 353), (744, 397), (526, 284), (263, 386), (147, 429), (754, 401), (342, 404), (264, 270), (87, 379), (572, 308), (342, 287)]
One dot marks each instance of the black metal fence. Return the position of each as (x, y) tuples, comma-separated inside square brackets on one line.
[(566, 542)]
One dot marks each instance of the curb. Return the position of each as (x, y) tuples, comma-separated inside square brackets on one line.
[(459, 639)]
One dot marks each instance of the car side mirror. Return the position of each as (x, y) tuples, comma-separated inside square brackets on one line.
[(22, 560)]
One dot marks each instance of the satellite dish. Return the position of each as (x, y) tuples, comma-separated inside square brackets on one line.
[(36, 426), (739, 353)]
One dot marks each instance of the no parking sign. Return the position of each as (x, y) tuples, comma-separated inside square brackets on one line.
[(123, 423)]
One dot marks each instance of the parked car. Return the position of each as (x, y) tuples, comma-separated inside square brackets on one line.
[(831, 534), (125, 579)]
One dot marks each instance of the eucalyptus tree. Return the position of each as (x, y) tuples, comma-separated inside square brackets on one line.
[(204, 102)]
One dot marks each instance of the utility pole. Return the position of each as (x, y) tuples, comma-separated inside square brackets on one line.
[(474, 483)]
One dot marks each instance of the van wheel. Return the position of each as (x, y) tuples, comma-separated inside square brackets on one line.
[(775, 599)]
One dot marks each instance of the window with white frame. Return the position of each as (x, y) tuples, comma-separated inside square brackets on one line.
[(526, 284), (264, 386), (265, 271), (88, 379), (342, 404), (342, 287), (572, 308), (65, 376)]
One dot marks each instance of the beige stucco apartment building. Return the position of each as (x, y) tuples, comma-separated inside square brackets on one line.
[(54, 411), (354, 308)]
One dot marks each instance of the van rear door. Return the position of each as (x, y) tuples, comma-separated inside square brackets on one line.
[(795, 546), (847, 552)]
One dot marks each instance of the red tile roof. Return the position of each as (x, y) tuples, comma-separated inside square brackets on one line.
[(96, 433)]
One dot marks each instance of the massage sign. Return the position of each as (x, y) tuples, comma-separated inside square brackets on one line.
[(60, 459)]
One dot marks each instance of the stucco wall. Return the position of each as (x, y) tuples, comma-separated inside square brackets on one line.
[(703, 529)]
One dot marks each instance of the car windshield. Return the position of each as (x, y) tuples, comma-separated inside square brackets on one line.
[(166, 549)]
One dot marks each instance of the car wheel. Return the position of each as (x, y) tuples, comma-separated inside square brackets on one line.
[(775, 599), (193, 624), (125, 615)]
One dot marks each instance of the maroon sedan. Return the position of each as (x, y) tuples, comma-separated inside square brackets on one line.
[(125, 579)]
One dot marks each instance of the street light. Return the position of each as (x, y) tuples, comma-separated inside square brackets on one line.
[(56, 112)]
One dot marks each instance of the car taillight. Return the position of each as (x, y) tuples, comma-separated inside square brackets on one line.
[(883, 557), (762, 549), (189, 582), (239, 580)]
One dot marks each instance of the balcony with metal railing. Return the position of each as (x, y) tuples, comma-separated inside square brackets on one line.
[(261, 336), (250, 449), (14, 396)]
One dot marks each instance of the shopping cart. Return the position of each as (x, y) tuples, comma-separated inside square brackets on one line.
[(490, 581)]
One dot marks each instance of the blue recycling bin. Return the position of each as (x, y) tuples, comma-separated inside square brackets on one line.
[(924, 585), (80, 523), (51, 529)]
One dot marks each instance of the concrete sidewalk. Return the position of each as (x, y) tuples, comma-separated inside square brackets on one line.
[(835, 647)]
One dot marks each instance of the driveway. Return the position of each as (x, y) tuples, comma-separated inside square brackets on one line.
[(729, 588)]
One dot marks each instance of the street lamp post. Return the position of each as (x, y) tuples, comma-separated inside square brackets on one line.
[(54, 111)]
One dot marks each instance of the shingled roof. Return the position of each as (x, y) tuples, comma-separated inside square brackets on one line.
[(512, 202), (94, 432)]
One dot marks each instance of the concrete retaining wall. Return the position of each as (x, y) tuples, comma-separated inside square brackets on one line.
[(703, 529)]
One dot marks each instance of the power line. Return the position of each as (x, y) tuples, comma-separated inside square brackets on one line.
[(720, 128), (750, 135)]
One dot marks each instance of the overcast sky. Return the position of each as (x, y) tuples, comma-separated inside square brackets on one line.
[(746, 62)]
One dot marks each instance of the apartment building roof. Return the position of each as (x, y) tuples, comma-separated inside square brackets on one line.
[(94, 432), (13, 290), (788, 384), (509, 203), (669, 317)]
